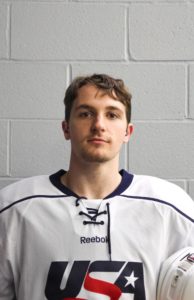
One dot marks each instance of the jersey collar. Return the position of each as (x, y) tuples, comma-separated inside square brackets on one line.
[(124, 184)]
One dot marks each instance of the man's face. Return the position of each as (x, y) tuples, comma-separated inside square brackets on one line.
[(97, 127)]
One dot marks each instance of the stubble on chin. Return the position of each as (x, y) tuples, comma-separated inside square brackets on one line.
[(90, 155)]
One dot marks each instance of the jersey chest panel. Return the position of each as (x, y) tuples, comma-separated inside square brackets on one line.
[(56, 242)]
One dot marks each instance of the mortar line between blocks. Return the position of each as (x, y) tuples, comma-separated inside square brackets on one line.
[(8, 31), (101, 61), (9, 148), (69, 74), (126, 35), (187, 79)]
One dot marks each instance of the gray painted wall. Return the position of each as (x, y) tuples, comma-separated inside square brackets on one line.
[(44, 44)]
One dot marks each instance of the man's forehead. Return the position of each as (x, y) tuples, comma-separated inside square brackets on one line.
[(94, 91), (105, 103), (95, 98)]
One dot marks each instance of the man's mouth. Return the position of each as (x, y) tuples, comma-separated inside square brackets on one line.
[(97, 140)]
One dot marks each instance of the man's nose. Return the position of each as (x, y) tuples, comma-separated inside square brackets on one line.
[(98, 124)]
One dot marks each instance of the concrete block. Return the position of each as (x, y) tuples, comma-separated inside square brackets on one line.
[(4, 144), (4, 31), (180, 183), (191, 92), (5, 182), (191, 189), (70, 31), (38, 147), (32, 90), (159, 90), (123, 160), (161, 31), (163, 149)]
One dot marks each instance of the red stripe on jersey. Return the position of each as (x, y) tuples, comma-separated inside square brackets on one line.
[(102, 287)]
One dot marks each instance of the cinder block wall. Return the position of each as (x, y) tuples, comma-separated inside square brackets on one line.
[(150, 44)]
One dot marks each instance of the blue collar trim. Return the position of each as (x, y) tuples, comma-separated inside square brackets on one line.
[(124, 184)]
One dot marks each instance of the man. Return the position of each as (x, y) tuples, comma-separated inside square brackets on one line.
[(91, 232)]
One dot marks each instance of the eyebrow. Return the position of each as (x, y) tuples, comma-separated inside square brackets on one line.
[(110, 107), (84, 106)]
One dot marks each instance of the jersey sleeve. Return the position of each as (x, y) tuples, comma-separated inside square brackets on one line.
[(6, 278), (7, 290)]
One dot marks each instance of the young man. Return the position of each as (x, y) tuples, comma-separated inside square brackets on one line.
[(91, 232)]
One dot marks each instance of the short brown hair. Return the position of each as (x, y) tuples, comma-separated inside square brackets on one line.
[(115, 88)]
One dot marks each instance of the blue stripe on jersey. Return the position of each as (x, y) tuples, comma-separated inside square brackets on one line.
[(125, 196), (159, 201), (31, 197)]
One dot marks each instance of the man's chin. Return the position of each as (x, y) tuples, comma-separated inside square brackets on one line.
[(92, 158)]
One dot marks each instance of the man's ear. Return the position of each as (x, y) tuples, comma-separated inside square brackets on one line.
[(129, 132), (65, 127)]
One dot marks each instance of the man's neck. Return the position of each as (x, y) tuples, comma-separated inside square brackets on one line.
[(93, 181)]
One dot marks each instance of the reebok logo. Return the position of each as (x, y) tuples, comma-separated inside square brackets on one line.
[(93, 239)]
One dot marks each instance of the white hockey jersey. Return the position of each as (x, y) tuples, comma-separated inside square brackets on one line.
[(56, 245)]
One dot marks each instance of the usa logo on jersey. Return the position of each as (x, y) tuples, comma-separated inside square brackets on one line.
[(85, 280)]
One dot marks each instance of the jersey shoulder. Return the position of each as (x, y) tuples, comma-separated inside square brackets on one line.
[(28, 187), (160, 191)]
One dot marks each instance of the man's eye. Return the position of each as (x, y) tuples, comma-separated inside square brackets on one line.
[(112, 115), (85, 114)]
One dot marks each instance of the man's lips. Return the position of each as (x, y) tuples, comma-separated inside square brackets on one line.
[(98, 140)]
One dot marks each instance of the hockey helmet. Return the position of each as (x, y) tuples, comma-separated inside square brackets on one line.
[(176, 279)]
